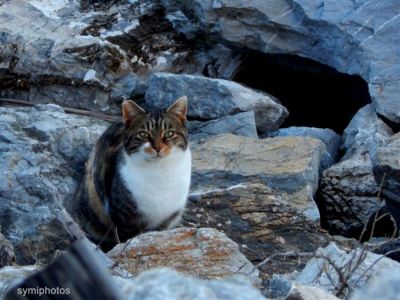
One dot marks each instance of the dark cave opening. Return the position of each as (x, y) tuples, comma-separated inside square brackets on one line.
[(316, 95)]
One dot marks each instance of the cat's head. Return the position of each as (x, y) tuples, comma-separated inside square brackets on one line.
[(155, 134)]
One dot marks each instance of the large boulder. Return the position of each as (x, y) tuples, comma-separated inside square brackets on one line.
[(261, 221), (289, 164), (352, 37), (328, 136), (214, 98), (203, 252), (168, 284), (348, 195), (239, 124), (365, 133), (386, 170), (92, 56), (43, 151)]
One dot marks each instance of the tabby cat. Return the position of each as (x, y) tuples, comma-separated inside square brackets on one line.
[(138, 175)]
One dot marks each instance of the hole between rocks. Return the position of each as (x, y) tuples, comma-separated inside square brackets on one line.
[(316, 95)]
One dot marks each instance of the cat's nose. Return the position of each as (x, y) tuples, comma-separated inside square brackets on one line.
[(157, 148)]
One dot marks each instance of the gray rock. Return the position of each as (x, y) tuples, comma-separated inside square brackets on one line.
[(348, 194), (11, 276), (359, 266), (366, 132), (289, 164), (306, 292), (42, 152), (328, 136), (262, 221), (7, 255), (204, 253), (385, 287), (166, 284), (215, 98), (240, 124), (354, 37), (386, 170)]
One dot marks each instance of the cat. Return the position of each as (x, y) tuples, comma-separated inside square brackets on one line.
[(137, 177)]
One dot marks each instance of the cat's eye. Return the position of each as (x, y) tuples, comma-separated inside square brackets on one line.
[(169, 134), (144, 135)]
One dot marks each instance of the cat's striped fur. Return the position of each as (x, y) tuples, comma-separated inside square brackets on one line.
[(138, 175)]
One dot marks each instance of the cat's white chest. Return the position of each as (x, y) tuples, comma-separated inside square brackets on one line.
[(159, 187)]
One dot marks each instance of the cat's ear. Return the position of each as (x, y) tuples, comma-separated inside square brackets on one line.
[(179, 108), (130, 110)]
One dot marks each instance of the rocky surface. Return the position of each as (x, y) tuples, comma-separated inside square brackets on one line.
[(306, 292), (289, 164), (260, 193), (215, 98), (356, 268), (365, 133), (348, 194), (93, 56), (383, 287), (43, 151), (7, 255), (261, 221), (203, 252), (13, 275), (336, 271), (387, 173), (243, 124), (307, 29), (328, 136), (160, 284)]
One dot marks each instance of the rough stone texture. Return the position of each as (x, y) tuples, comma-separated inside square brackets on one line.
[(166, 284), (348, 195), (215, 98), (7, 255), (304, 292), (328, 136), (346, 35), (261, 221), (93, 56), (386, 287), (240, 124), (366, 132), (42, 154), (13, 275), (288, 164), (386, 170), (359, 265), (203, 252)]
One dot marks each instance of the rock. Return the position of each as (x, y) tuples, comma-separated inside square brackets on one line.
[(348, 195), (346, 35), (7, 255), (93, 55), (204, 253), (385, 287), (170, 285), (328, 136), (357, 266), (215, 98), (289, 164), (366, 132), (11, 276), (43, 151), (240, 124), (261, 221), (304, 292), (386, 170)]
